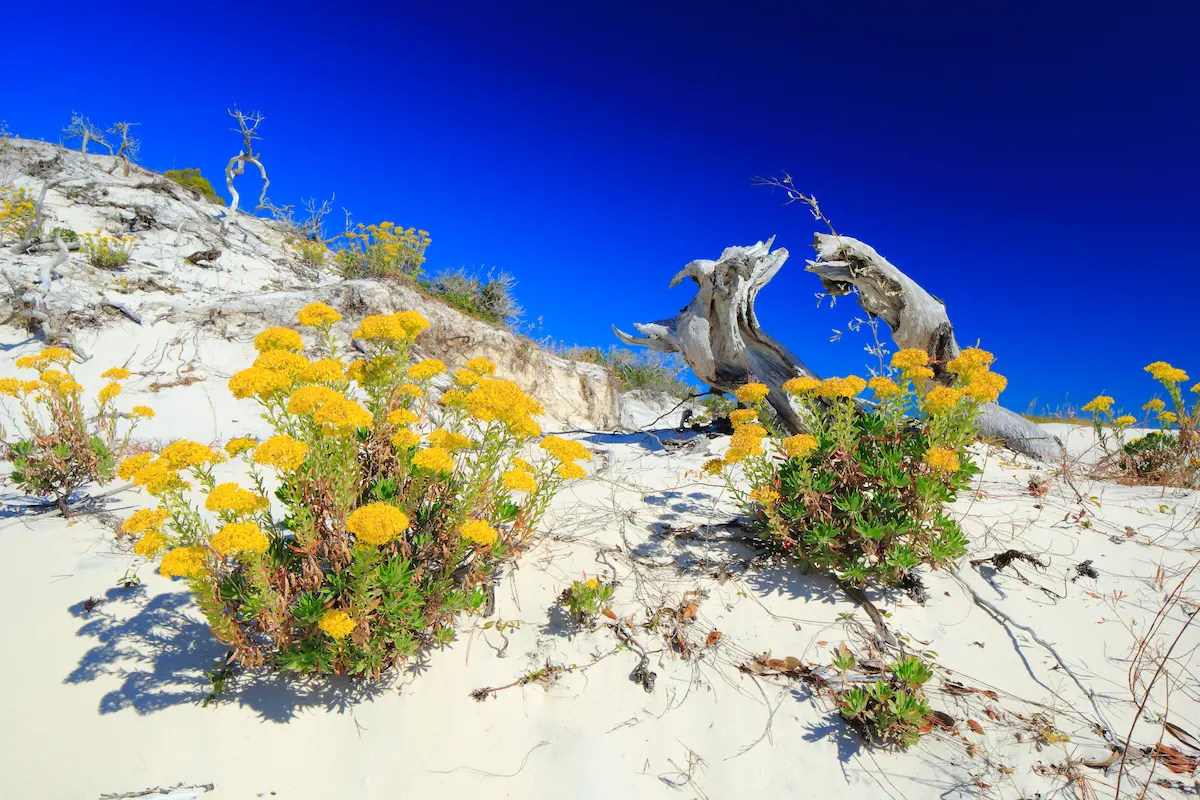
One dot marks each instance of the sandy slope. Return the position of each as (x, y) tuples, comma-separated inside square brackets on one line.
[(109, 701)]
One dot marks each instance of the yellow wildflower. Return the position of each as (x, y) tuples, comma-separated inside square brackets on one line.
[(281, 451), (186, 454), (592, 583), (145, 520), (425, 369), (342, 415), (257, 382), (941, 399), (1101, 404), (565, 450), (141, 412), (109, 392), (29, 387), (1196, 389), (116, 373), (571, 471), (985, 386), (1125, 420), (1165, 373), (69, 386), (479, 532), (9, 386), (401, 416), (183, 562), (308, 399), (752, 393), (434, 459), (482, 366), (278, 339), (970, 362), (742, 416), (325, 370), (158, 479), (130, 466), (526, 427), (713, 466), (150, 543), (399, 327), (521, 463), (884, 387), (910, 358), (500, 400), (317, 315), (941, 459), (377, 523), (919, 374), (240, 537), (850, 386), (466, 378), (240, 445), (405, 438), (1167, 417), (410, 390), (337, 624), (48, 356), (799, 445), (233, 498), (293, 365), (448, 440), (1154, 405), (801, 385), (518, 480), (453, 398), (736, 454), (765, 495)]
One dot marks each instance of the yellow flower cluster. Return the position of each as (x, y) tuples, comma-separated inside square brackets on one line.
[(341, 415), (941, 459), (325, 370), (434, 459), (941, 399), (278, 339), (282, 452), (765, 495), (503, 401), (132, 465), (1165, 374), (1154, 405), (115, 373), (240, 537), (426, 369), (746, 441), (448, 440), (909, 359), (109, 393), (284, 362), (565, 450), (479, 532), (234, 499), (337, 624), (850, 386), (107, 251), (571, 472), (713, 466), (401, 416), (183, 562), (801, 385), (48, 356), (145, 521), (405, 438), (799, 445), (1099, 405), (970, 362), (518, 480), (17, 212), (257, 382), (742, 416), (402, 326), (884, 387), (752, 393), (482, 366), (984, 386), (152, 542), (377, 523), (186, 454), (237, 446), (311, 252), (307, 399), (10, 386), (388, 247), (1125, 420), (141, 412)]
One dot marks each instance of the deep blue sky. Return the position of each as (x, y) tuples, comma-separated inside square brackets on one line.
[(1035, 166)]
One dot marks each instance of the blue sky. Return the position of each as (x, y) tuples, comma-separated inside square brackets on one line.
[(1034, 167)]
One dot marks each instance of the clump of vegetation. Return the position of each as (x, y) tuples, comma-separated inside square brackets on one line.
[(864, 495), (65, 234), (585, 600), (18, 213), (489, 298), (385, 250), (649, 370), (888, 712), (107, 252), (718, 406), (1169, 456), (190, 178), (311, 252), (63, 449), (396, 510)]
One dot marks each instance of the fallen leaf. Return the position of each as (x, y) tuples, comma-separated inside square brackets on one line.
[(713, 638), (689, 611), (975, 726), (608, 612)]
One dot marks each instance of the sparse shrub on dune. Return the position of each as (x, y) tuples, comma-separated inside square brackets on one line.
[(892, 710), (190, 178), (585, 600), (18, 213), (107, 252), (385, 250), (63, 448), (489, 298), (396, 510), (651, 371), (864, 494)]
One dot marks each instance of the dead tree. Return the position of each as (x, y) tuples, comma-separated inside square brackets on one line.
[(718, 334), (31, 302), (82, 128), (248, 128), (127, 150)]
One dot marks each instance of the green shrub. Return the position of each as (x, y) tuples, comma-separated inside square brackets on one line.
[(585, 600), (385, 250), (192, 179), (489, 298), (864, 495), (648, 370), (890, 712)]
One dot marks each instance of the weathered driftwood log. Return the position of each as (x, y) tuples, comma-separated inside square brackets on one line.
[(718, 334)]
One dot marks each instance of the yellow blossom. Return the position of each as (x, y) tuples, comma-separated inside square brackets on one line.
[(240, 445), (401, 416), (109, 392), (233, 498), (799, 445), (919, 374), (1167, 417), (765, 495), (116, 373), (186, 454), (941, 459), (307, 399), (342, 415), (1125, 420), (1154, 405), (850, 386), (158, 479), (713, 466), (742, 416), (404, 438), (411, 390), (453, 398), (141, 412), (448, 440), (884, 387), (48, 356), (377, 523), (337, 624), (465, 378), (482, 366), (479, 532), (941, 399), (258, 382), (752, 393), (1101, 404), (398, 327), (801, 385), (525, 427), (293, 365), (985, 387), (434, 459), (278, 339), (565, 450), (571, 471), (910, 358), (521, 463), (240, 537), (281, 451), (518, 480), (317, 315), (130, 466), (1165, 373), (736, 454), (325, 370), (150, 543), (145, 520), (970, 362), (183, 562), (500, 400), (9, 386), (425, 369)]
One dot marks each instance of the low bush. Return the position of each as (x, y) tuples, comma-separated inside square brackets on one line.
[(62, 449), (17, 213), (649, 370), (107, 252), (190, 178), (585, 600), (864, 494), (1169, 456), (396, 510), (311, 252), (385, 250), (489, 298), (892, 711)]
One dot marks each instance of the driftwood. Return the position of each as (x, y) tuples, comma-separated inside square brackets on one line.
[(719, 337)]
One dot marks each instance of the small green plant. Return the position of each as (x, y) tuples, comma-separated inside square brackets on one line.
[(17, 213), (311, 252), (107, 252), (385, 250), (650, 370), (190, 178), (489, 298), (62, 448), (890, 712), (718, 406), (66, 234), (585, 600)]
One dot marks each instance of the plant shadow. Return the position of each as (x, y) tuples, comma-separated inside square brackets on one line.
[(162, 652)]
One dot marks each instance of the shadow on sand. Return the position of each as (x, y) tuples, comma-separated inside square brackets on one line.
[(161, 653)]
